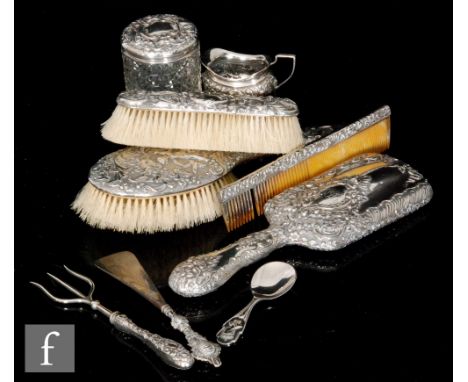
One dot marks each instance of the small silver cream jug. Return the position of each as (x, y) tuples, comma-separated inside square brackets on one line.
[(239, 74)]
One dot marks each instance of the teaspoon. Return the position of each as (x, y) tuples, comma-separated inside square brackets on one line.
[(270, 281)]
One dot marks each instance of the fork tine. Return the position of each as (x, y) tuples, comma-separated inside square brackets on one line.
[(84, 278), (56, 299), (67, 286)]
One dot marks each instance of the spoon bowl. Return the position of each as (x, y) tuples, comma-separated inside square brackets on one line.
[(272, 280)]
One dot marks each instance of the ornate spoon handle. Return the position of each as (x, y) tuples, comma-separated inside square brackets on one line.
[(202, 349), (199, 275), (171, 352), (234, 327)]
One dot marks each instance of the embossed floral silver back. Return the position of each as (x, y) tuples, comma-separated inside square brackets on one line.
[(326, 213), (150, 172), (348, 202), (208, 103)]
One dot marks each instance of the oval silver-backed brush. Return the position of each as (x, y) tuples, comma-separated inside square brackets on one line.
[(140, 189)]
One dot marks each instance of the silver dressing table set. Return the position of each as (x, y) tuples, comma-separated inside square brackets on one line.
[(342, 204)]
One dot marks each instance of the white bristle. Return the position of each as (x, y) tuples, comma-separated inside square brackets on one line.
[(165, 213), (203, 131)]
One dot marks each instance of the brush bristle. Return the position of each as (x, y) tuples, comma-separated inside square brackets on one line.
[(147, 215), (239, 210), (203, 131)]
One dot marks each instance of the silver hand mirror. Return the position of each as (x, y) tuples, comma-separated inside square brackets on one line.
[(327, 213), (270, 281)]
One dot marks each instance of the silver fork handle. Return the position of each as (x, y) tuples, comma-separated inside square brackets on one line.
[(171, 352)]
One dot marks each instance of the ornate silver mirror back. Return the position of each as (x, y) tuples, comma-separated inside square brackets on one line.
[(348, 202)]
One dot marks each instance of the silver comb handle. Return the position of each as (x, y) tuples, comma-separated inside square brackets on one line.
[(171, 352), (199, 275)]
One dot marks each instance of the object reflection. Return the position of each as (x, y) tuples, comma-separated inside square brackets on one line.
[(160, 253)]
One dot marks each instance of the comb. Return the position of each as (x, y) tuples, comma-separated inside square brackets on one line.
[(245, 198)]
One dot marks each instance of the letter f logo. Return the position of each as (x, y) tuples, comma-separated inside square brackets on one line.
[(46, 348)]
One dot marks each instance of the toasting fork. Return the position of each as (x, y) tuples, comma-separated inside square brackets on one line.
[(171, 352)]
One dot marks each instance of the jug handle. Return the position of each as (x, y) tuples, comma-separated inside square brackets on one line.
[(293, 67)]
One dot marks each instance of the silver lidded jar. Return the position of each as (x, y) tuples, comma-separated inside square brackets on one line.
[(161, 52)]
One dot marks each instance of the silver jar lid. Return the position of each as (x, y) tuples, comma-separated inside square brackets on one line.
[(159, 39)]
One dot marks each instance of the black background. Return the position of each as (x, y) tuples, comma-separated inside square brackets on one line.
[(379, 310)]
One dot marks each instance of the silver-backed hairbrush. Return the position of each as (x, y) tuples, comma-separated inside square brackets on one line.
[(198, 121), (142, 189), (327, 213)]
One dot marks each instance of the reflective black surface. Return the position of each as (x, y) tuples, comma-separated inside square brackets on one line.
[(378, 310)]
